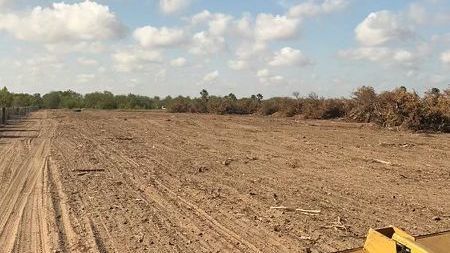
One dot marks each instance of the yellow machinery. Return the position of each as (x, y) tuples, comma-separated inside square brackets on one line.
[(395, 240)]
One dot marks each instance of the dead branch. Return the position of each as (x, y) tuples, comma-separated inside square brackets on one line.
[(290, 209), (381, 161), (338, 225)]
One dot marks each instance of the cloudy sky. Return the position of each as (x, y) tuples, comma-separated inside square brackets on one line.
[(172, 47)]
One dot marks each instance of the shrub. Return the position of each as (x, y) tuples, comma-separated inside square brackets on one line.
[(436, 111), (311, 107), (247, 106), (363, 104), (398, 108), (321, 108), (179, 105), (269, 107), (285, 106), (198, 105), (218, 105), (333, 108)]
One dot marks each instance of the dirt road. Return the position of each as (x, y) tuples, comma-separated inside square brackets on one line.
[(100, 181), (24, 151)]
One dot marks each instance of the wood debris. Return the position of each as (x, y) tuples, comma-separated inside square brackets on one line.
[(290, 209), (381, 161), (338, 225)]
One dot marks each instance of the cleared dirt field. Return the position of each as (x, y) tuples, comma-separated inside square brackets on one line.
[(101, 181)]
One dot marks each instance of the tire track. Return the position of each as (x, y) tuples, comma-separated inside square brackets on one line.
[(24, 220)]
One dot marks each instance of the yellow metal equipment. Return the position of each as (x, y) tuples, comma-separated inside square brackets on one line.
[(395, 240)]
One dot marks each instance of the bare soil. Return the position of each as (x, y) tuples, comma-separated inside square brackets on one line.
[(112, 181)]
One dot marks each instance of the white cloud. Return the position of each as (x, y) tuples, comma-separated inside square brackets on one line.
[(173, 6), (424, 13), (86, 21), (269, 27), (201, 17), (178, 62), (442, 18), (87, 61), (417, 13), (437, 79), (149, 36), (85, 78), (445, 57), (382, 55), (249, 50), (161, 75), (91, 47), (4, 2), (135, 59), (238, 64), (203, 43), (289, 57), (313, 8), (38, 62), (381, 27), (218, 23), (276, 79), (266, 78), (262, 73), (244, 27), (211, 77), (7, 4)]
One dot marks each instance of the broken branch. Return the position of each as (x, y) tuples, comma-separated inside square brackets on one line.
[(290, 209)]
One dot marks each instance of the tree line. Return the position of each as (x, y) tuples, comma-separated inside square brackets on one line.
[(396, 108), (70, 99)]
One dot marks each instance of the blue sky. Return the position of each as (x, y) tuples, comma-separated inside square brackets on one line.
[(178, 47)]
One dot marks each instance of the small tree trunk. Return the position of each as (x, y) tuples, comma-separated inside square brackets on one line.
[(3, 119)]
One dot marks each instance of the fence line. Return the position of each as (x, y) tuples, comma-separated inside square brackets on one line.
[(12, 113)]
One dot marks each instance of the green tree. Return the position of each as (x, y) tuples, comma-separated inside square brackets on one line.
[(6, 97), (232, 97), (52, 100), (71, 99), (260, 97), (204, 93), (100, 100), (37, 100)]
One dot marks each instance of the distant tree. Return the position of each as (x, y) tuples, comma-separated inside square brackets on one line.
[(313, 96), (52, 100), (71, 99), (296, 94), (179, 104), (435, 91), (232, 97), (122, 102), (22, 99), (6, 98), (204, 93), (165, 101), (37, 100), (100, 100), (260, 97), (432, 96)]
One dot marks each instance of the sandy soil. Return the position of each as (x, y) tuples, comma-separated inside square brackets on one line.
[(100, 181)]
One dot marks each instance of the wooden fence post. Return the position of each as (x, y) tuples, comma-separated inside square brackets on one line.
[(3, 115)]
